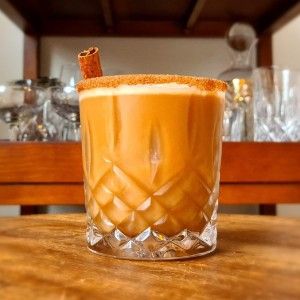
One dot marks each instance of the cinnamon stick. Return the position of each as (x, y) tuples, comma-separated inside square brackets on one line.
[(89, 62)]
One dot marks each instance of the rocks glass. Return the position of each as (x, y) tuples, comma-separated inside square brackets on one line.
[(151, 158), (276, 104)]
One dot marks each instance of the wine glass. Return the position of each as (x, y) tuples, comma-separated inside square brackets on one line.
[(10, 103), (69, 74), (20, 107), (65, 101), (50, 127)]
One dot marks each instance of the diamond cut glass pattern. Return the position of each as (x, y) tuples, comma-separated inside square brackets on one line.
[(151, 167)]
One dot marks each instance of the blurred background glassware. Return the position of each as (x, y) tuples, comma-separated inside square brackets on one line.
[(44, 127), (65, 101), (276, 104), (291, 103), (20, 107), (51, 120), (10, 103), (238, 115), (69, 74)]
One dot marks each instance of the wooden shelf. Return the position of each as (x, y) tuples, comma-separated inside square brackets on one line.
[(51, 173), (35, 173), (147, 17)]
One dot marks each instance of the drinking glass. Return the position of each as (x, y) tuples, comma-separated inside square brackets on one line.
[(291, 103), (45, 124), (69, 74), (20, 107), (10, 104), (64, 100), (276, 104), (151, 158)]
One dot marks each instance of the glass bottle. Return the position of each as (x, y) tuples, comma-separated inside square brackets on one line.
[(238, 115)]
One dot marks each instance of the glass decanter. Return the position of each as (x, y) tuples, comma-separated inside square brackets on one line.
[(238, 115)]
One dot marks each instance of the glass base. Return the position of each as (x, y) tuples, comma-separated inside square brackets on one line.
[(151, 245)]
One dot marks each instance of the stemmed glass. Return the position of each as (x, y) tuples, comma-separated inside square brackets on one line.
[(9, 110), (64, 99), (20, 107), (69, 74)]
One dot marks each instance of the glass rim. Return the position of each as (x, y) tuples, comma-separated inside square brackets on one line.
[(114, 81), (4, 86), (276, 69)]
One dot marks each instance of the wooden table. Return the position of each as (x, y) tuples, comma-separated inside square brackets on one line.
[(45, 257)]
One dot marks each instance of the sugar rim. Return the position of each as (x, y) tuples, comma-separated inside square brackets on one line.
[(202, 83)]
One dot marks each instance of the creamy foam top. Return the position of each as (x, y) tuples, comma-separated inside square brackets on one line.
[(162, 88)]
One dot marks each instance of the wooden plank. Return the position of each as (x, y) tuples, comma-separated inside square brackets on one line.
[(250, 193), (72, 27), (107, 14), (260, 162), (265, 58), (45, 257), (214, 29), (31, 40), (41, 194), (61, 162), (31, 56), (14, 15), (264, 50), (284, 17), (40, 162), (194, 16), (267, 16), (148, 28), (93, 27)]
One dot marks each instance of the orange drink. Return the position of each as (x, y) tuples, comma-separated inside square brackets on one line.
[(151, 158)]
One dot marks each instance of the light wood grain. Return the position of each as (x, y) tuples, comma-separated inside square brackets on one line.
[(45, 257)]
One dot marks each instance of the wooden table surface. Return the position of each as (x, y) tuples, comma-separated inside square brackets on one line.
[(45, 257)]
